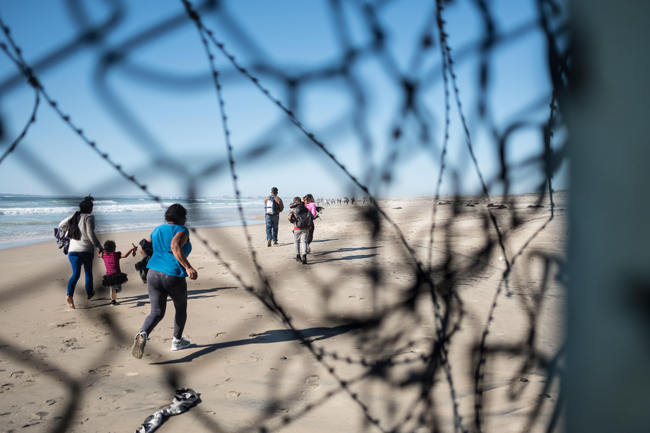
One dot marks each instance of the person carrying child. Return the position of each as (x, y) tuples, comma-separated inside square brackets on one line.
[(302, 220), (114, 277), (310, 204)]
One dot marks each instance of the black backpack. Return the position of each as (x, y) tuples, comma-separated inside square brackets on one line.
[(304, 218)]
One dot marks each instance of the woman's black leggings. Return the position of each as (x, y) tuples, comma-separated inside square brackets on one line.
[(161, 285)]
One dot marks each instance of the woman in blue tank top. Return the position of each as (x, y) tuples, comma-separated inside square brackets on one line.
[(168, 267)]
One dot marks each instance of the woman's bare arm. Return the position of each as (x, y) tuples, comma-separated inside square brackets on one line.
[(178, 241)]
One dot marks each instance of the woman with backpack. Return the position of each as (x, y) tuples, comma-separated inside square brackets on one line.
[(80, 228)]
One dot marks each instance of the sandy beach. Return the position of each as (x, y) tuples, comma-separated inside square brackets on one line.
[(362, 357)]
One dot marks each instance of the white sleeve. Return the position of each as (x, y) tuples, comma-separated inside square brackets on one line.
[(63, 225)]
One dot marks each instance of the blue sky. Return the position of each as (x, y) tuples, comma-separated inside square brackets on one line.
[(180, 135)]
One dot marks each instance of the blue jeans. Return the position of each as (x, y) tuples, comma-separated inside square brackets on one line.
[(272, 222), (76, 260)]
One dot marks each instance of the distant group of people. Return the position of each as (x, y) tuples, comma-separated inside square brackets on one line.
[(167, 267), (302, 215), (344, 201)]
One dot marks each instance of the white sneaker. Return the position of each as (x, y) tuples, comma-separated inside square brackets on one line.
[(183, 343), (138, 344)]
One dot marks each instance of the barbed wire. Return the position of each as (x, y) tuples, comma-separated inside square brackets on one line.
[(439, 281), (23, 132)]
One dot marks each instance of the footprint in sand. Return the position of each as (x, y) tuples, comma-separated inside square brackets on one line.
[(102, 370), (222, 383), (69, 343), (313, 381), (50, 402), (233, 395), (6, 387), (64, 324)]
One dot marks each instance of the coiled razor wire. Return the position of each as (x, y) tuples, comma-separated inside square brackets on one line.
[(440, 281)]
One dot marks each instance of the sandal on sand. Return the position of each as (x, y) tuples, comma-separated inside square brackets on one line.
[(138, 344), (70, 302)]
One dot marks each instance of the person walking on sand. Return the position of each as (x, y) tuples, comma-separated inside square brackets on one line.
[(80, 229), (272, 207), (311, 206), (168, 268), (114, 277), (302, 219)]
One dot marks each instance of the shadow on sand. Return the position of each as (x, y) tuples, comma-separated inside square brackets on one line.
[(316, 257), (284, 244), (272, 336), (143, 299)]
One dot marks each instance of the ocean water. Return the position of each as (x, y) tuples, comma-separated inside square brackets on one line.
[(27, 219)]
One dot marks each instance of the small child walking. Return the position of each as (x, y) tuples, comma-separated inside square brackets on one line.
[(114, 277)]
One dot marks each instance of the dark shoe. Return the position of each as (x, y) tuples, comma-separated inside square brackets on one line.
[(297, 257), (276, 243), (113, 302), (268, 243), (91, 294), (304, 259)]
